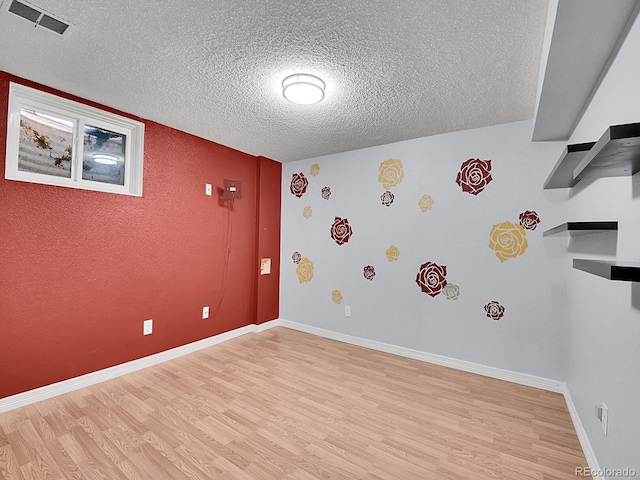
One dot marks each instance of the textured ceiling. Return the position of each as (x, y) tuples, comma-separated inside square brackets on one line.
[(394, 70)]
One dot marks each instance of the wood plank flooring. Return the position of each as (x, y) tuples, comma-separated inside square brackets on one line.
[(283, 404)]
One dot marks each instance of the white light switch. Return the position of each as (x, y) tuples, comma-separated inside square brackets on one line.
[(205, 312), (147, 328), (207, 189)]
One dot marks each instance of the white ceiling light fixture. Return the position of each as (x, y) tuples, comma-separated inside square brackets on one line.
[(303, 89)]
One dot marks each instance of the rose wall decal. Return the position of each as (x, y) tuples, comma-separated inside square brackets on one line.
[(425, 203), (387, 198), (529, 220), (341, 230), (369, 272), (298, 184), (391, 173), (307, 212), (296, 257), (494, 310), (392, 253), (315, 170), (305, 270), (451, 291), (326, 193), (508, 240), (474, 175), (431, 278), (336, 296)]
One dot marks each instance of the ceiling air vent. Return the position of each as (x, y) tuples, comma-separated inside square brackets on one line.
[(37, 16)]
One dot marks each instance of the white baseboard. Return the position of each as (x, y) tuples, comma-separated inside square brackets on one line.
[(589, 454), (493, 372), (59, 388)]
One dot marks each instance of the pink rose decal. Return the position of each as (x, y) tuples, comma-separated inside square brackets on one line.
[(431, 278), (474, 175), (296, 257), (494, 310), (369, 272), (298, 184), (326, 193), (529, 220), (341, 230), (387, 198)]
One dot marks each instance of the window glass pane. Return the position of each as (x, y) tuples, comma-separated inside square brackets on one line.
[(46, 144), (104, 155)]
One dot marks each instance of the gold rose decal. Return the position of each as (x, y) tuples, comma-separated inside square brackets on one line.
[(508, 240), (298, 184), (474, 175), (315, 169), (369, 272), (307, 212), (494, 310), (529, 220), (451, 291), (336, 296), (305, 270), (391, 173), (341, 230), (431, 278), (425, 203), (393, 253)]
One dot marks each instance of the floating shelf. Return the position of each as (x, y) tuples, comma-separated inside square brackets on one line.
[(562, 174), (581, 228), (611, 270), (616, 154)]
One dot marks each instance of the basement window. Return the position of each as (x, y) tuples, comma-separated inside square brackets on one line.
[(55, 141)]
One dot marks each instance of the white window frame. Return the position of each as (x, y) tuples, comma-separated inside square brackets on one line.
[(22, 97)]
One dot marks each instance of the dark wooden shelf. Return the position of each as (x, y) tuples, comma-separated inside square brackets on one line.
[(611, 270), (562, 174), (581, 228), (616, 154)]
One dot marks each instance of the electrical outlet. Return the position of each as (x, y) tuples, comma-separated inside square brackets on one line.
[(147, 327), (207, 189), (604, 420), (205, 312), (347, 311)]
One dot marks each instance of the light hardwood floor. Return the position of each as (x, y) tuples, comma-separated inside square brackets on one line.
[(283, 404)]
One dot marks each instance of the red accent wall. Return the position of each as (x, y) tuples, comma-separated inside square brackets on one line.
[(80, 271), (269, 201)]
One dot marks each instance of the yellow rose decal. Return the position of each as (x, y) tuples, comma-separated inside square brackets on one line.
[(315, 169), (391, 173), (508, 240), (307, 212), (426, 203), (336, 296), (393, 253), (305, 270)]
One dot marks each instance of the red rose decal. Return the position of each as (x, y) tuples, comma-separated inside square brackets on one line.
[(296, 257), (298, 184), (387, 198), (494, 310), (369, 272), (529, 220), (341, 230), (431, 278), (474, 175), (326, 193)]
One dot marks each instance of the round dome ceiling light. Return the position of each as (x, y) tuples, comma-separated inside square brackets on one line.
[(303, 89)]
